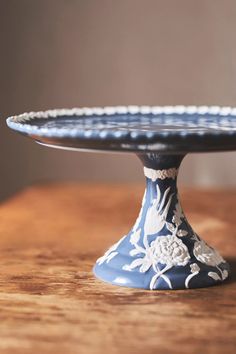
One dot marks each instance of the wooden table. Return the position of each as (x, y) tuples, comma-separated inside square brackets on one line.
[(51, 235)]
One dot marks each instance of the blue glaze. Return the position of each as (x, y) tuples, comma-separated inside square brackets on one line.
[(198, 265)]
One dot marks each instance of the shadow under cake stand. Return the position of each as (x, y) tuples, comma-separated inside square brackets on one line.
[(161, 251)]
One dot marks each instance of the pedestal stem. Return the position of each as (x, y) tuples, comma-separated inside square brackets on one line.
[(161, 251)]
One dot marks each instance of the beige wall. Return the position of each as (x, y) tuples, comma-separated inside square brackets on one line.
[(65, 53)]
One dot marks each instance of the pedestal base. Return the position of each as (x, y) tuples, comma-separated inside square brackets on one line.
[(161, 251)]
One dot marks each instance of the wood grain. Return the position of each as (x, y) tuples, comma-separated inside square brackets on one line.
[(50, 236)]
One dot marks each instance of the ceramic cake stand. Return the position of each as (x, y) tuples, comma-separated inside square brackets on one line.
[(161, 251)]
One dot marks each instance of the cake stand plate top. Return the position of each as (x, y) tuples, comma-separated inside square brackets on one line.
[(167, 129)]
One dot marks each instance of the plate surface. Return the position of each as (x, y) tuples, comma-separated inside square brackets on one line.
[(177, 129)]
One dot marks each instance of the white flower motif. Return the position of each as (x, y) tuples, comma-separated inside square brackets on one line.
[(207, 255), (167, 250), (170, 250)]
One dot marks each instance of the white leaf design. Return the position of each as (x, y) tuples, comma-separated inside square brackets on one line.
[(110, 253), (110, 256), (136, 263), (145, 266), (134, 238), (157, 212), (170, 227), (182, 233), (127, 267), (214, 275), (135, 252)]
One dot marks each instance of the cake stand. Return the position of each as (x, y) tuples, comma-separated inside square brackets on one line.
[(161, 251)]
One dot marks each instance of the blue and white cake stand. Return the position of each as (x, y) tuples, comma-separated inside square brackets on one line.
[(161, 251)]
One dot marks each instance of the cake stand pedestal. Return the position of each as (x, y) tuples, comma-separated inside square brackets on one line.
[(161, 251)]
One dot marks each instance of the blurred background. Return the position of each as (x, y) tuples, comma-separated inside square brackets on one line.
[(69, 53)]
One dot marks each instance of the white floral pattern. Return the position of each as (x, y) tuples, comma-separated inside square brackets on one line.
[(210, 257), (160, 174), (162, 239), (168, 250), (207, 255)]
